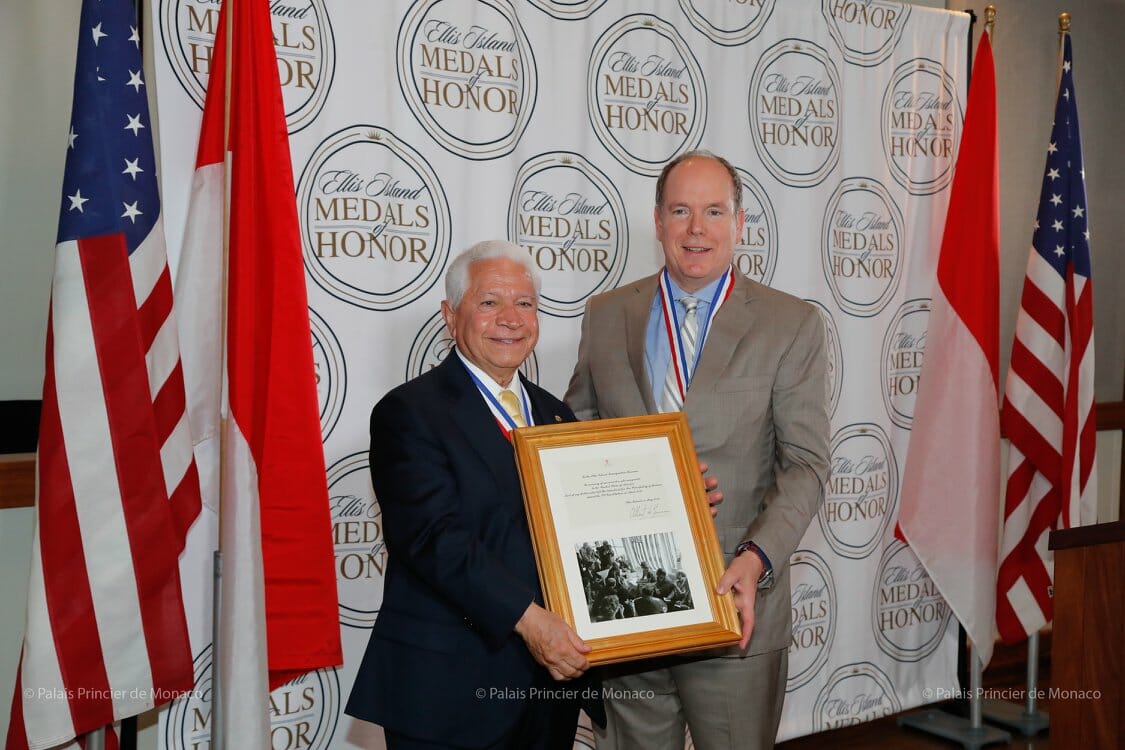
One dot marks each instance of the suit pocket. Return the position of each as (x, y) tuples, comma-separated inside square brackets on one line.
[(448, 638), (748, 383)]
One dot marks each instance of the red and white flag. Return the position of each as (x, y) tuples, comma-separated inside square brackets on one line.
[(1049, 395), (279, 604), (951, 485), (106, 634)]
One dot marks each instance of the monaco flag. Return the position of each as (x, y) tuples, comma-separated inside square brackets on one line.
[(950, 491), (106, 634), (253, 374)]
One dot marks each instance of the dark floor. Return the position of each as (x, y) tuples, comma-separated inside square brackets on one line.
[(1006, 671)]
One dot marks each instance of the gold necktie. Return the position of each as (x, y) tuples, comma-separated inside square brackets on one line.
[(512, 405)]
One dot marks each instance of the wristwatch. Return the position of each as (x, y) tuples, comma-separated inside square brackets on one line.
[(765, 581)]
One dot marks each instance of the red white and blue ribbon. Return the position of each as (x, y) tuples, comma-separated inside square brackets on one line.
[(672, 326), (507, 424)]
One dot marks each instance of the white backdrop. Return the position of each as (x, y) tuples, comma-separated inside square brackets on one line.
[(418, 128)]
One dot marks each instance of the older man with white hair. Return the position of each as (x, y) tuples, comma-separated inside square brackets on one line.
[(463, 654)]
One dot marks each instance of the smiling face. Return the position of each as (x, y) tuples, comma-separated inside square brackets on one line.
[(496, 324), (697, 222)]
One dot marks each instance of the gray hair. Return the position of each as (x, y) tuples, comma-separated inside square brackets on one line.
[(457, 276), (700, 153)]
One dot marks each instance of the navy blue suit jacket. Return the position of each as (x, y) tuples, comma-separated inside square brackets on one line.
[(460, 569)]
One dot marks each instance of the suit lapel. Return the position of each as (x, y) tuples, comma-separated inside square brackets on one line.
[(728, 328), (637, 310), (469, 415)]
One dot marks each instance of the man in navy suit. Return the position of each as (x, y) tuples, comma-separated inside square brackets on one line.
[(463, 654)]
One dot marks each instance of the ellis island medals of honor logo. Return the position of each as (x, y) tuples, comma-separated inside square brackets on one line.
[(570, 218), (357, 539), (855, 693), (921, 125), (468, 74), (908, 614), (794, 104), (304, 713), (814, 617), (866, 31), (861, 246), (374, 219), (646, 94), (862, 491), (302, 37), (904, 347), (731, 23)]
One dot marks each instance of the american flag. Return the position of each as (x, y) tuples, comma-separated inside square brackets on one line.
[(1048, 409), (117, 486)]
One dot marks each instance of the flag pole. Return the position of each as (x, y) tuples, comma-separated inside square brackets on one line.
[(218, 735)]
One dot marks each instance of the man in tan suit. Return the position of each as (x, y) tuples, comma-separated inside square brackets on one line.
[(748, 366)]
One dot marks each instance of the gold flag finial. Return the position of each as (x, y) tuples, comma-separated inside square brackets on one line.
[(1064, 23), (989, 19)]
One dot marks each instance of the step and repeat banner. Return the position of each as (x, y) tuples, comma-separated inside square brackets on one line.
[(420, 127)]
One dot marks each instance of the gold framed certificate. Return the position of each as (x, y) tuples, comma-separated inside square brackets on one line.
[(623, 535)]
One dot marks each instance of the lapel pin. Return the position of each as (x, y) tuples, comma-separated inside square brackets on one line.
[(558, 418)]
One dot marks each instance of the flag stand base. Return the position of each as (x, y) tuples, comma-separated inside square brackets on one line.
[(971, 732), (950, 727), (1023, 719), (1016, 717)]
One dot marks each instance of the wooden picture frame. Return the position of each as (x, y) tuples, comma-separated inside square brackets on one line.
[(607, 501)]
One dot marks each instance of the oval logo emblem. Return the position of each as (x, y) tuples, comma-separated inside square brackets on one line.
[(795, 112), (357, 540), (904, 347), (861, 246), (433, 344), (731, 23), (374, 219), (921, 125), (908, 614), (855, 693), (646, 94), (813, 594), (867, 31), (331, 373), (756, 253), (467, 73), (303, 713), (571, 219), (862, 491), (302, 37)]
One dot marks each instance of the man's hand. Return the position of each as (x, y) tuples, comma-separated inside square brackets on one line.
[(714, 496), (742, 578), (553, 643)]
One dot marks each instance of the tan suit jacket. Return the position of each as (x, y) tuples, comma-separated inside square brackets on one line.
[(757, 408)]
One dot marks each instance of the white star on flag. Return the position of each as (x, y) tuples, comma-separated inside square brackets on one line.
[(134, 123)]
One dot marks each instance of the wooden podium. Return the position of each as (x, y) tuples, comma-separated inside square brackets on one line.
[(1087, 698)]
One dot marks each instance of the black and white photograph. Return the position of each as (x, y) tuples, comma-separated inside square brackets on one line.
[(634, 576)]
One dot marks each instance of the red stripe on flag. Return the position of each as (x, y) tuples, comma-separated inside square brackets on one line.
[(1037, 376), (1044, 311), (70, 603), (154, 311), (170, 403), (1019, 482), (1031, 443), (133, 434), (186, 503)]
